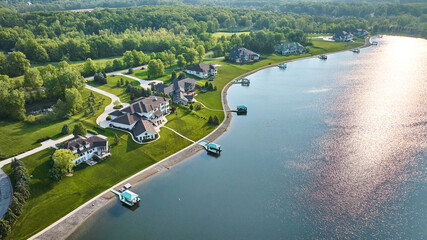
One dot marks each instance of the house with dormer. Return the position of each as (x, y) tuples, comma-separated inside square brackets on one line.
[(87, 148), (180, 90), (243, 55), (202, 70)]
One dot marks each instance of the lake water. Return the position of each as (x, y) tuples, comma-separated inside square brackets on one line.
[(331, 149)]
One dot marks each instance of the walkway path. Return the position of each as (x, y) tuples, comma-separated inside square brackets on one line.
[(179, 134), (46, 144), (217, 110), (101, 120)]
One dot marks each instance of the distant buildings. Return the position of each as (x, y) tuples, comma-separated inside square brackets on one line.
[(202, 70), (141, 116), (359, 32), (243, 55), (342, 36), (180, 90), (289, 48), (87, 148)]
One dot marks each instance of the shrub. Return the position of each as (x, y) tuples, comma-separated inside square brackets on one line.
[(65, 129), (118, 107), (92, 131), (130, 71), (42, 139), (4, 228), (30, 119), (10, 216), (55, 174)]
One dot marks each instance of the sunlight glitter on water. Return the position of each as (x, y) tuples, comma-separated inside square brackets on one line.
[(378, 130)]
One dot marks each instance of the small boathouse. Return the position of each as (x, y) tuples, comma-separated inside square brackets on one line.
[(242, 110), (210, 146), (245, 82), (127, 197)]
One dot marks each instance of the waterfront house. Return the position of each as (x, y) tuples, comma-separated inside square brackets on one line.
[(359, 32), (202, 70), (289, 48), (243, 55), (180, 90), (87, 148), (140, 117), (342, 36)]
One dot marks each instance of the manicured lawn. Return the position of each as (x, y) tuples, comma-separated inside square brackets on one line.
[(79, 64), (143, 74), (50, 201), (111, 87), (18, 137), (190, 124)]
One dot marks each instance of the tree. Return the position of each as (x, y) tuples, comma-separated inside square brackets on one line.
[(210, 121), (181, 61), (16, 64), (215, 120), (191, 107), (32, 79), (73, 99), (99, 78), (182, 75), (190, 55), (65, 129), (79, 130), (130, 71), (116, 139), (16, 105), (89, 68), (156, 68), (63, 160), (173, 75), (171, 59), (60, 109), (128, 59), (118, 83), (55, 174), (4, 228), (201, 52)]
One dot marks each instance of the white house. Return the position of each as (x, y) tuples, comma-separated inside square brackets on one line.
[(87, 148), (141, 116), (202, 70)]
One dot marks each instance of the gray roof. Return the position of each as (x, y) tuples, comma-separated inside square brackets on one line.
[(116, 113), (201, 67), (79, 141), (143, 126), (145, 105), (238, 52), (127, 119)]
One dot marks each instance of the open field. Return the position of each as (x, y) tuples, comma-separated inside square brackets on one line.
[(51, 201), (227, 34), (111, 87), (21, 136)]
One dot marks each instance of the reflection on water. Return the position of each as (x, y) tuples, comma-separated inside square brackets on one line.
[(332, 149), (370, 156)]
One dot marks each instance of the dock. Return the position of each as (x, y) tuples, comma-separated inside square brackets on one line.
[(127, 197), (323, 57), (210, 146), (244, 82)]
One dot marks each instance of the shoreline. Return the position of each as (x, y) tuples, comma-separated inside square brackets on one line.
[(66, 225)]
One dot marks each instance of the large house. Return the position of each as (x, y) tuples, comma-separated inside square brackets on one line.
[(141, 116), (243, 55), (290, 48), (180, 90), (87, 148), (202, 70), (359, 32), (342, 36)]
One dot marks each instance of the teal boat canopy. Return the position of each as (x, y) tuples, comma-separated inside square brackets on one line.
[(130, 196), (214, 146), (241, 107)]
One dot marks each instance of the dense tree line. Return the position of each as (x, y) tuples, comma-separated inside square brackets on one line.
[(21, 193)]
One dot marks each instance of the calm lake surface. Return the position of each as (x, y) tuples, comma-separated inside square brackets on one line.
[(331, 149)]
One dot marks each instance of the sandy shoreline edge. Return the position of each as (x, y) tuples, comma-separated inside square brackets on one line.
[(64, 227)]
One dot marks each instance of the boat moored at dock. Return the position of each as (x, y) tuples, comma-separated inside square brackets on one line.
[(356, 50), (211, 147), (282, 65), (127, 197), (323, 57)]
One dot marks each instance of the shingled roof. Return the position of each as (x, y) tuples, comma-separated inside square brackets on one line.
[(145, 104), (238, 52), (79, 141), (143, 126), (127, 119), (201, 67)]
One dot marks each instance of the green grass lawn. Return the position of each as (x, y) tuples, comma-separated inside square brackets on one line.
[(143, 74), (111, 87), (190, 124), (50, 201), (79, 64), (19, 137), (227, 34)]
